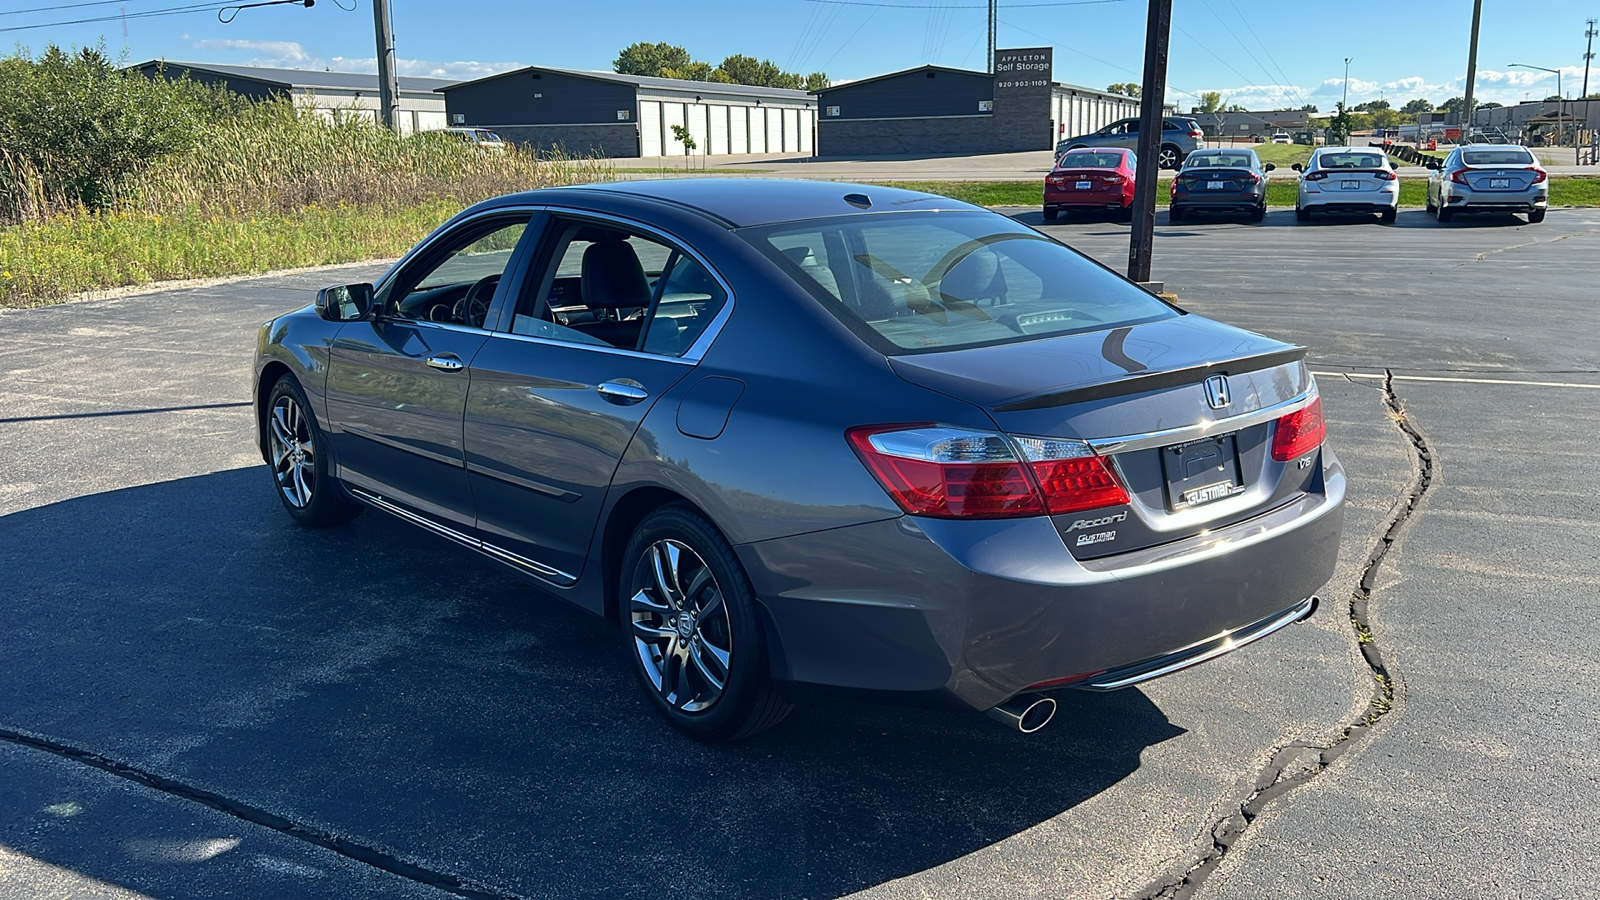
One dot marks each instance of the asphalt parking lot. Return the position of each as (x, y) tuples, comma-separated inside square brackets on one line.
[(198, 699)]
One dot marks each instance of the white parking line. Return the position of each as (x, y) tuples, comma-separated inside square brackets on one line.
[(1560, 384)]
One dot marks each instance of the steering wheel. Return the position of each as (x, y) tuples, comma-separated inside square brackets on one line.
[(473, 307)]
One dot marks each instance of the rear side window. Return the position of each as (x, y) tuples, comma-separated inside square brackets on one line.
[(1497, 157), (913, 282)]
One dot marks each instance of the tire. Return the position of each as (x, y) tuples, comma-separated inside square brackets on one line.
[(1387, 216), (1168, 157), (1302, 215), (1444, 213), (677, 566), (1535, 216), (1050, 214), (1125, 215), (1258, 213), (297, 455), (1175, 213)]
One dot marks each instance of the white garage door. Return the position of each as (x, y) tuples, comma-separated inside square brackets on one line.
[(696, 115), (808, 127), (739, 129), (671, 114), (775, 131), (718, 144), (758, 129), (650, 128)]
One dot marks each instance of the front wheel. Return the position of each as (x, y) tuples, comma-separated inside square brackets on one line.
[(1168, 157), (692, 630), (297, 451)]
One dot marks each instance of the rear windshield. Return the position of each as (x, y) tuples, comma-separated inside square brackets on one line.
[(1351, 161), (1235, 160), (1511, 156), (1084, 159), (912, 282)]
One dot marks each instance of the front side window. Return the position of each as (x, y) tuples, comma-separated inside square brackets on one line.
[(454, 283), (912, 282)]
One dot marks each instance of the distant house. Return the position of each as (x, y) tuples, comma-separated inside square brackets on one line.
[(333, 93), (607, 114), (1242, 124)]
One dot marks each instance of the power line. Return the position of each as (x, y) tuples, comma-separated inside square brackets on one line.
[(916, 6), (40, 9), (148, 14)]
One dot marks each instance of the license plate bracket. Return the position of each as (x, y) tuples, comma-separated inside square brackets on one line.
[(1499, 183), (1085, 185), (1214, 185), (1350, 185), (1201, 472)]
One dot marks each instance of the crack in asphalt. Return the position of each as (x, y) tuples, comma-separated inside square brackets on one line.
[(1298, 762), (300, 831)]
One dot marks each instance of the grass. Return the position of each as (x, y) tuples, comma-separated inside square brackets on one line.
[(1564, 191)]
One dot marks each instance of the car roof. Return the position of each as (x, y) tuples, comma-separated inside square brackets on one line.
[(744, 202)]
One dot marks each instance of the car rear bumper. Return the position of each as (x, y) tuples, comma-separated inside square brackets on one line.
[(1352, 202), (1516, 202), (1234, 202), (972, 613), (1085, 200)]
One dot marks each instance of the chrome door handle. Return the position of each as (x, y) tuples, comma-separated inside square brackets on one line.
[(446, 363), (621, 392)]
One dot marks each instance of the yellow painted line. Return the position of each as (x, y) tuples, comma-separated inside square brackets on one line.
[(1560, 384)]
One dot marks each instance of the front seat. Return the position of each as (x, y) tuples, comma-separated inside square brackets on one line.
[(614, 284)]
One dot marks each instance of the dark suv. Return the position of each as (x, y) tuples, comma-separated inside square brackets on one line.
[(1179, 138)]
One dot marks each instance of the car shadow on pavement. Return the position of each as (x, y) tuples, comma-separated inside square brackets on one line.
[(385, 687)]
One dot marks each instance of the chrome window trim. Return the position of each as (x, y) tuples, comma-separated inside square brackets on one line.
[(539, 570), (426, 243), (615, 351), (1108, 445)]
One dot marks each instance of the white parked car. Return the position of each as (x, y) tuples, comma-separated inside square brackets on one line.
[(1282, 137), (1347, 180), (480, 137)]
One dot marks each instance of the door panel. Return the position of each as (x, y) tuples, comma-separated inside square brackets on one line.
[(542, 441)]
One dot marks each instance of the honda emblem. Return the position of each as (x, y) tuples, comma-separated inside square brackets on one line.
[(1217, 392)]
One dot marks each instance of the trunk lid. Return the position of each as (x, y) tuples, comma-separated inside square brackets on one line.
[(1490, 178), (1139, 394)]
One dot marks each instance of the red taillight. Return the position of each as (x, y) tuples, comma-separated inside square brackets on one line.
[(1385, 175), (954, 473), (1197, 134), (1299, 432), (1056, 179), (1316, 176), (1112, 179), (1459, 176), (1538, 174), (1252, 178)]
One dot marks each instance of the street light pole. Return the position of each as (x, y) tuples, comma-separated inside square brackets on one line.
[(1346, 101), (1561, 101)]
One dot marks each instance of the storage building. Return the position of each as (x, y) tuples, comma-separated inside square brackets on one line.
[(331, 93), (632, 115)]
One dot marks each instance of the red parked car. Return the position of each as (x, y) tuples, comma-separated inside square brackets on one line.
[(1099, 179)]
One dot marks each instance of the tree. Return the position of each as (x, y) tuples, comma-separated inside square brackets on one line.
[(1125, 89), (683, 137), (1491, 105), (1210, 102), (1418, 105), (645, 58), (817, 81), (1309, 107), (1372, 106), (692, 71), (1452, 105), (1385, 118), (1553, 98), (1340, 126)]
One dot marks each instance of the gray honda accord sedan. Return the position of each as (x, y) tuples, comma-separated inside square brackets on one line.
[(799, 438)]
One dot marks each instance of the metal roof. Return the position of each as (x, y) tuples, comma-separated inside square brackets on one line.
[(303, 78), (646, 81)]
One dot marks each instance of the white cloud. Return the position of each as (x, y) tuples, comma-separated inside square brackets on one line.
[(293, 55)]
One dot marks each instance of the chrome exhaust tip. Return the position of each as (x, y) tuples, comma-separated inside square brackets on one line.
[(1026, 713), (1310, 610)]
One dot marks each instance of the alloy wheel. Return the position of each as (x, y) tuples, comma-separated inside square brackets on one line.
[(294, 460), (680, 625)]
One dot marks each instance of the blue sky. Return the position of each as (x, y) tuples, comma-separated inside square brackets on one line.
[(1258, 54)]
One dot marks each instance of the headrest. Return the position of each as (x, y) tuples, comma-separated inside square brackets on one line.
[(973, 277), (613, 277)]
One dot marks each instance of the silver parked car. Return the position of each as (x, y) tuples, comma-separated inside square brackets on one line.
[(1488, 178), (1179, 138), (799, 438), (1347, 180)]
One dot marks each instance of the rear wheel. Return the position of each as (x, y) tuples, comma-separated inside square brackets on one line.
[(1535, 216), (1175, 213), (1387, 216), (1302, 215), (1050, 213), (1258, 213), (1168, 157), (1445, 213), (692, 631), (297, 452)]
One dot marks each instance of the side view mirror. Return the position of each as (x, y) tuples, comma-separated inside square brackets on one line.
[(1431, 164), (1270, 167), (1298, 168), (345, 303)]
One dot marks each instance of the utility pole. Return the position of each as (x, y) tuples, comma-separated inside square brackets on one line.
[(1345, 103), (1467, 106), (994, 22), (388, 85), (1157, 37), (1588, 57)]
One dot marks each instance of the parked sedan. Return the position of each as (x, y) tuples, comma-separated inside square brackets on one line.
[(1179, 138), (1091, 180), (1488, 178), (1347, 180), (793, 435), (1228, 181)]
